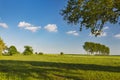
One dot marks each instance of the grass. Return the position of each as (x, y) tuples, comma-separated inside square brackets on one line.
[(59, 67)]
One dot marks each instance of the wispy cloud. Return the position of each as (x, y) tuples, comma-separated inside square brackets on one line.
[(51, 27), (105, 28), (28, 26), (33, 29), (117, 36), (73, 33), (4, 25)]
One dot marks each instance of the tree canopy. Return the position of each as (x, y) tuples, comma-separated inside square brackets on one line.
[(96, 48), (28, 50), (12, 50), (92, 14)]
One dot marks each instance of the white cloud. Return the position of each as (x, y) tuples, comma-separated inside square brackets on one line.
[(117, 36), (75, 34), (72, 33), (105, 28), (32, 29), (24, 24), (4, 25), (51, 28), (28, 26)]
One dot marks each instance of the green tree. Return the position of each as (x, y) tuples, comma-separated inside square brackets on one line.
[(92, 14), (28, 50), (12, 50), (88, 47), (85, 47), (107, 51), (2, 46), (95, 48), (61, 53), (40, 53)]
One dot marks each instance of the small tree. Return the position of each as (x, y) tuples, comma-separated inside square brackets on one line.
[(12, 50), (36, 53), (41, 53), (28, 50), (61, 53)]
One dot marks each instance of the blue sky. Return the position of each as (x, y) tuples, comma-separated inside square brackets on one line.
[(38, 23)]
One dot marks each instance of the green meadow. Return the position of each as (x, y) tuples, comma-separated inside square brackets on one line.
[(59, 67)]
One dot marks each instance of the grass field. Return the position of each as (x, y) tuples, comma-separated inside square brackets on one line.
[(59, 67)]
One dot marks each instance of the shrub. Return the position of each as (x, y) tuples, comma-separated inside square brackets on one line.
[(41, 53), (61, 53), (36, 53)]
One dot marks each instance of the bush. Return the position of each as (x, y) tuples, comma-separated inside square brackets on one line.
[(61, 53), (6, 54), (36, 53), (41, 53)]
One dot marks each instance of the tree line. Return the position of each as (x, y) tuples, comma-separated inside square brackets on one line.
[(12, 50), (96, 48), (89, 47)]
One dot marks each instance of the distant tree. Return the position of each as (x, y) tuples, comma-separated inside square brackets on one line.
[(40, 53), (86, 47), (92, 14), (12, 50), (95, 48), (107, 51), (2, 46), (61, 53), (98, 48), (36, 53), (28, 50)]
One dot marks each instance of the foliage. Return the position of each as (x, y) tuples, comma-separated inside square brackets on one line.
[(92, 14), (53, 67), (12, 50), (2, 46), (28, 50), (97, 48)]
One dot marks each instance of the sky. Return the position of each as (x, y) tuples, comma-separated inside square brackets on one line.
[(38, 23)]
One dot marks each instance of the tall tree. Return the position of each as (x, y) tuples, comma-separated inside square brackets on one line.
[(86, 47), (92, 14), (107, 50), (28, 50), (2, 46)]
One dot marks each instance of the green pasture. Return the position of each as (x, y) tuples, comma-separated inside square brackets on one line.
[(59, 67)]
